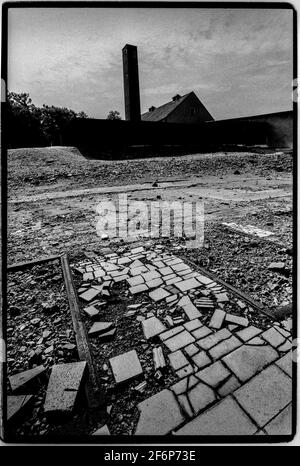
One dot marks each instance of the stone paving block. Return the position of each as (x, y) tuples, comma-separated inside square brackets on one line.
[(159, 264), (180, 267), (185, 384), (281, 330), (149, 276), (222, 297), (159, 294), (264, 396), (171, 299), (204, 280), (247, 361), (172, 281), (287, 346), (16, 405), (185, 371), (177, 360), (201, 396), (257, 341), (168, 277), (201, 332), (201, 359), (191, 311), (184, 272), (192, 325), (285, 363), (64, 384), (183, 301), (229, 386), (248, 333), (159, 414), (126, 366), (138, 289), (186, 285), (214, 338), (91, 311), (102, 431), (152, 327), (238, 320), (214, 374), (134, 281), (166, 271), (154, 283), (138, 270), (23, 379), (120, 278), (273, 337), (282, 423), (170, 333), (217, 319), (88, 276), (100, 327), (89, 295), (136, 264), (225, 347), (179, 341), (173, 261), (191, 349), (224, 418), (99, 273)]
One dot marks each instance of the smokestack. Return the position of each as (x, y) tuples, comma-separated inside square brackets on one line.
[(131, 83)]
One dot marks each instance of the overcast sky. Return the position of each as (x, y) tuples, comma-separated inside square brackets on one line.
[(238, 62)]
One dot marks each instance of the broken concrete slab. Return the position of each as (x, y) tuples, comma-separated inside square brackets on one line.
[(229, 386), (152, 327), (24, 379), (191, 349), (186, 285), (126, 366), (273, 337), (89, 295), (159, 414), (201, 396), (170, 333), (91, 311), (248, 333), (247, 361), (185, 371), (192, 325), (225, 347), (214, 338), (138, 288), (177, 360), (17, 406), (100, 327), (64, 384), (264, 396), (156, 282), (201, 332), (201, 359), (225, 418)]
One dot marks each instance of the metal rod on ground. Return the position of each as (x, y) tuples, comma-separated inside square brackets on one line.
[(23, 265), (81, 335)]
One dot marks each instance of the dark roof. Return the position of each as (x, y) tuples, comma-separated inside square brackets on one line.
[(164, 110)]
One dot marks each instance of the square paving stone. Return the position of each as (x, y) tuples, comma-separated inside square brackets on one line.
[(193, 325), (177, 360), (217, 319), (138, 289), (89, 295), (185, 371), (184, 272), (225, 347), (191, 311), (134, 281), (155, 283), (204, 280), (214, 374), (238, 320), (159, 294), (191, 349), (166, 271), (126, 366), (247, 361), (285, 363), (214, 338), (91, 311), (201, 359), (152, 327), (64, 384), (224, 418), (273, 337), (222, 297), (189, 284), (180, 267), (159, 414), (282, 423), (201, 332), (151, 275), (23, 379), (248, 333), (264, 396), (179, 341), (170, 333)]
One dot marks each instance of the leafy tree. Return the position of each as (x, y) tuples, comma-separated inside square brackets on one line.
[(114, 115)]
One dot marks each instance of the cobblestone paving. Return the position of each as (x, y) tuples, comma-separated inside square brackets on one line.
[(233, 378)]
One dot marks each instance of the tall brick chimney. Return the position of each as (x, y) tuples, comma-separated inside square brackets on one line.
[(131, 83)]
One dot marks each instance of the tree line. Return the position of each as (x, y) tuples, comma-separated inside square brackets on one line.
[(30, 126)]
